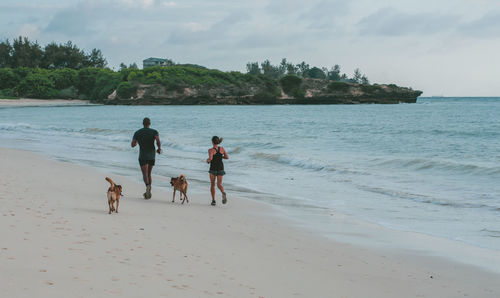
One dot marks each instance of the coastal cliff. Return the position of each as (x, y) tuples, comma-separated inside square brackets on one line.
[(305, 91)]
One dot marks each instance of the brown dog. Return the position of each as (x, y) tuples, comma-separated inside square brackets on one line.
[(180, 184), (114, 194)]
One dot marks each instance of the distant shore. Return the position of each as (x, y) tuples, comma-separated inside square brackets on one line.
[(29, 102)]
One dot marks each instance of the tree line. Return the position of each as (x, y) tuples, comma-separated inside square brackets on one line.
[(304, 70), (65, 71), (25, 53)]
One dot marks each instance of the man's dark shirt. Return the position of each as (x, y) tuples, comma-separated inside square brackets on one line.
[(146, 138)]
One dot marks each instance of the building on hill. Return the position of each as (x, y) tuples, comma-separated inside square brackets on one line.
[(156, 62)]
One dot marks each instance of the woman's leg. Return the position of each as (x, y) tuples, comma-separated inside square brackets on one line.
[(212, 186), (221, 188), (219, 183)]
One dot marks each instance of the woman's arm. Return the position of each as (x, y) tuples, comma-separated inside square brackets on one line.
[(224, 154), (210, 155)]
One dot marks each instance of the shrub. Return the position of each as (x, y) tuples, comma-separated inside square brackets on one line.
[(8, 79), (291, 85), (68, 93), (64, 78), (371, 88), (136, 75), (153, 78), (338, 86), (105, 82), (8, 94), (37, 85), (85, 81), (125, 90)]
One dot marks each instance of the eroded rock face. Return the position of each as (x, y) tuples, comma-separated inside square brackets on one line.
[(310, 91)]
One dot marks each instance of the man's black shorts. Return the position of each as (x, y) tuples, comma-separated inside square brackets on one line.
[(147, 162)]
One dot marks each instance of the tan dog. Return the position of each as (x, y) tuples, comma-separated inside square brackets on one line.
[(114, 194), (180, 184)]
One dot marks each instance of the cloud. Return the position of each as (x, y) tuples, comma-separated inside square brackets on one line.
[(220, 31), (168, 4), (75, 20), (282, 7), (139, 3), (390, 22), (324, 14), (29, 30), (484, 27)]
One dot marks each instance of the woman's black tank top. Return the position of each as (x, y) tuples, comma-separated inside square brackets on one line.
[(216, 163)]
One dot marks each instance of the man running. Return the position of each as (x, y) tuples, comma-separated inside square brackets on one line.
[(146, 137)]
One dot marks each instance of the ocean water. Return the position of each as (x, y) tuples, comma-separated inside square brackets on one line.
[(432, 167)]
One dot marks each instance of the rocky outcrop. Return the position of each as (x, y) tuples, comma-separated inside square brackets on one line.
[(306, 91)]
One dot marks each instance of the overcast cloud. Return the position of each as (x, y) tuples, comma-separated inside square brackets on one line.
[(446, 48)]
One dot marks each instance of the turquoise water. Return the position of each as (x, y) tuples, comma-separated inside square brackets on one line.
[(431, 167)]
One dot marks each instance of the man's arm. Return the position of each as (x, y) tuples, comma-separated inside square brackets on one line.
[(158, 144), (134, 143)]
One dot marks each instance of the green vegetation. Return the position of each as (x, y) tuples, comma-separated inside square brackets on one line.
[(65, 71), (125, 90), (291, 85), (338, 86), (304, 70), (7, 94), (25, 53)]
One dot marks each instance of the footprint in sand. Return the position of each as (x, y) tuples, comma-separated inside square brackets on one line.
[(48, 282), (43, 270)]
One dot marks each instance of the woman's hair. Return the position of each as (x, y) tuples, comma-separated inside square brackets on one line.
[(216, 140)]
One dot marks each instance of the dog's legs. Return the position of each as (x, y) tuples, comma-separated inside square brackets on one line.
[(173, 198), (109, 205), (185, 198), (117, 203)]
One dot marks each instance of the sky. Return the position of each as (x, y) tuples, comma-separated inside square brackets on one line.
[(442, 47)]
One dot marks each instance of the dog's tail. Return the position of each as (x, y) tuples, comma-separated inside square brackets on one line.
[(182, 177), (110, 181)]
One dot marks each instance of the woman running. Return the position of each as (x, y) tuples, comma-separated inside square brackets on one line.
[(215, 156)]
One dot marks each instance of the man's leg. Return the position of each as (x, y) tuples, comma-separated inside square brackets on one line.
[(148, 187), (150, 169), (145, 174)]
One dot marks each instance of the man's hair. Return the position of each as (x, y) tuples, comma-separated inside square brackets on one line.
[(146, 122)]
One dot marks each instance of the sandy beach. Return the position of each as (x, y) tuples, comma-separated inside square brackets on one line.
[(29, 102), (58, 240)]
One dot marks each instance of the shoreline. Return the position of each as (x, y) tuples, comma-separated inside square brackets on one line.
[(60, 238), (30, 102)]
